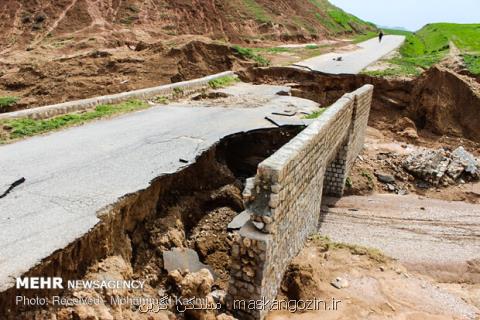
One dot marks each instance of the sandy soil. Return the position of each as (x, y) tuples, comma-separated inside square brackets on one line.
[(375, 288)]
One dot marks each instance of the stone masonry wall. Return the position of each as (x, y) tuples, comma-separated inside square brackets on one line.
[(287, 198)]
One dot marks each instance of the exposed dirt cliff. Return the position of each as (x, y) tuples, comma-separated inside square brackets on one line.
[(30, 23)]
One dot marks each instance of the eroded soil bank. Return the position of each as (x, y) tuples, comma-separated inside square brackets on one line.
[(188, 209), (440, 102)]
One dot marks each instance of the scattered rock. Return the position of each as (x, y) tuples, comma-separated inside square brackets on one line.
[(442, 167), (406, 128), (219, 296), (340, 283), (258, 225), (182, 259), (239, 221), (385, 178), (283, 93), (225, 316)]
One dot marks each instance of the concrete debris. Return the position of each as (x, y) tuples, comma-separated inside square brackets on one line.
[(182, 259), (258, 225), (442, 167), (239, 221), (247, 193)]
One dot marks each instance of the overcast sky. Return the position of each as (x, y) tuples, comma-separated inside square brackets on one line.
[(412, 14)]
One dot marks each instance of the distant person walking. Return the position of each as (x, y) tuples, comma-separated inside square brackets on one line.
[(380, 36)]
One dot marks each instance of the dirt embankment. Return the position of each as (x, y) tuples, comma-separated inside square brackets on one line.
[(94, 72), (441, 103)]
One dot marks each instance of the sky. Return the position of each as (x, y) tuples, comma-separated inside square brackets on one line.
[(412, 14)]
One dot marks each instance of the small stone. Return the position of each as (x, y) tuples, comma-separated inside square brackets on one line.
[(258, 225), (249, 272), (385, 178), (390, 187), (340, 283), (247, 242)]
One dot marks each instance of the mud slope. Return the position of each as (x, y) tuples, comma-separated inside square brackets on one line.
[(26, 23), (442, 103)]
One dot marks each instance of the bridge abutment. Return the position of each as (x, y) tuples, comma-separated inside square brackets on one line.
[(287, 196)]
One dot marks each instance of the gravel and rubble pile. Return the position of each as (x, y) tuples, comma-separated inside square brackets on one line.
[(443, 167)]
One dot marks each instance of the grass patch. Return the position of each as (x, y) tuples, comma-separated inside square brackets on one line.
[(222, 82), (256, 11), (278, 50), (325, 244), (20, 128), (312, 47), (472, 62), (430, 44), (364, 37), (408, 66), (162, 100), (315, 114), (250, 54), (6, 102)]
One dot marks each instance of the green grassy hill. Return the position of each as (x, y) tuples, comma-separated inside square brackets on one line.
[(430, 44), (310, 18)]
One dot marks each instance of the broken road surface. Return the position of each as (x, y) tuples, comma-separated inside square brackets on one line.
[(71, 175)]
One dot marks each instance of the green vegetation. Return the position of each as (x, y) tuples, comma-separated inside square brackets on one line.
[(315, 114), (162, 100), (364, 36), (397, 32), (6, 102), (472, 61), (278, 50), (248, 53), (325, 244), (348, 183), (222, 82), (339, 21), (178, 92), (24, 127), (431, 44), (369, 178), (312, 47), (257, 11)]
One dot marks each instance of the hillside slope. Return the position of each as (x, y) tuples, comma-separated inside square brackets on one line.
[(28, 23), (56, 51)]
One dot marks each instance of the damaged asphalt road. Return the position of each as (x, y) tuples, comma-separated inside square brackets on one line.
[(71, 175)]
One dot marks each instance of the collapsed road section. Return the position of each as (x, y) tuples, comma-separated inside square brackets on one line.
[(119, 193)]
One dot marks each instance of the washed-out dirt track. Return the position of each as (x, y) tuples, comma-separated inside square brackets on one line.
[(439, 236)]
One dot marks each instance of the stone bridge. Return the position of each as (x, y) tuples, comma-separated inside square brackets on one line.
[(286, 199)]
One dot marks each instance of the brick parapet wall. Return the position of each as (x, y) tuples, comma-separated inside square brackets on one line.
[(287, 199)]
